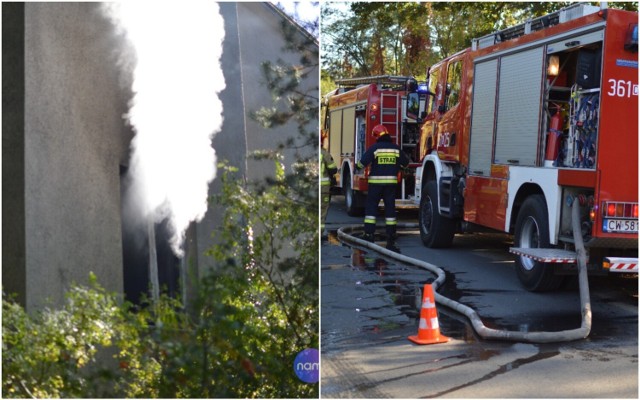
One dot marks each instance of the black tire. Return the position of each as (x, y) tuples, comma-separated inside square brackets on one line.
[(436, 231), (353, 199), (532, 231)]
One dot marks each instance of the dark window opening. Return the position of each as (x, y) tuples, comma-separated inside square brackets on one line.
[(135, 253)]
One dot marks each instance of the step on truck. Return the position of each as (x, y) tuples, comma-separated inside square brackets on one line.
[(526, 123)]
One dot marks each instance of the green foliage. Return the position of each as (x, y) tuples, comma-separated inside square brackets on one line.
[(376, 38), (79, 350), (327, 84), (275, 235), (402, 38), (252, 314), (273, 227)]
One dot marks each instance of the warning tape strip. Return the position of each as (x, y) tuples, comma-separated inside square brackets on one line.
[(624, 267), (557, 260)]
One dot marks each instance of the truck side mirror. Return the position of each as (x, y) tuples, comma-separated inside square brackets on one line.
[(413, 105)]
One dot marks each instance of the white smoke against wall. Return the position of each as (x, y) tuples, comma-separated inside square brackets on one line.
[(175, 110)]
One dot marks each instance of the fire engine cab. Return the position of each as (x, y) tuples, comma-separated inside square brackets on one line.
[(525, 124)]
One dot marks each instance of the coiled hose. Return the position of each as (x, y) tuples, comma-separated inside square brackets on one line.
[(476, 322)]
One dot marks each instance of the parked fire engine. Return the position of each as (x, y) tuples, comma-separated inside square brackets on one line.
[(351, 113), (522, 125)]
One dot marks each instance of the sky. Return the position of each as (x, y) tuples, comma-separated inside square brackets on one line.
[(301, 11)]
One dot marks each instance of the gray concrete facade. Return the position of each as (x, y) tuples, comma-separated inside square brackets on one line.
[(253, 36), (72, 141), (65, 141)]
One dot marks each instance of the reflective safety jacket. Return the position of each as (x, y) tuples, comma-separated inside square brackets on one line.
[(386, 159), (328, 167)]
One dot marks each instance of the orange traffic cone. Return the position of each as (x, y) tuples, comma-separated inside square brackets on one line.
[(429, 329)]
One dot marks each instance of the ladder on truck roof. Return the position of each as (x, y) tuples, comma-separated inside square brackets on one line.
[(533, 25), (388, 80)]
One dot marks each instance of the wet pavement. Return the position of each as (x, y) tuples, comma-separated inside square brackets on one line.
[(370, 293), (370, 305)]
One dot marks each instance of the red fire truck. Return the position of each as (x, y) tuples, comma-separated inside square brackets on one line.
[(351, 112), (523, 123)]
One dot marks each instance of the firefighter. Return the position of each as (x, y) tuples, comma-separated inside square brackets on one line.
[(328, 168), (386, 159)]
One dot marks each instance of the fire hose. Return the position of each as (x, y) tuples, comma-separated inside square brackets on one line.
[(477, 324)]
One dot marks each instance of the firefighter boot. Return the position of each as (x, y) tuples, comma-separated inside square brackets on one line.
[(391, 238), (368, 237), (391, 245)]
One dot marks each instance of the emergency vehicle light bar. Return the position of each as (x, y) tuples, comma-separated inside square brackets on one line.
[(378, 79), (533, 25)]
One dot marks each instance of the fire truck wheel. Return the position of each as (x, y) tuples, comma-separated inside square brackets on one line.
[(532, 231), (353, 199), (435, 230)]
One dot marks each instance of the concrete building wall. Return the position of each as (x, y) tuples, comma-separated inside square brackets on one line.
[(253, 36), (73, 148), (260, 21), (65, 140)]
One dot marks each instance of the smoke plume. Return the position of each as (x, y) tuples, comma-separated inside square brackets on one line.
[(175, 110)]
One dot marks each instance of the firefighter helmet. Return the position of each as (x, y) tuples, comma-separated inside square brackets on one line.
[(379, 130)]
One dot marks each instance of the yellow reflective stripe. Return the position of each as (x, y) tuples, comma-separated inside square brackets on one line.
[(391, 221), (386, 155), (386, 179), (383, 181), (359, 165), (387, 152), (332, 165), (369, 220)]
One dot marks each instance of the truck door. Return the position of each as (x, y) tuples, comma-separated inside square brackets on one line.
[(428, 130), (450, 125)]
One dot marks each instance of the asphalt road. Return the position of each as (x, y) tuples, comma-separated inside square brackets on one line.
[(369, 307)]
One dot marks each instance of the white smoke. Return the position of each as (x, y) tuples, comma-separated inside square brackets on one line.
[(175, 110)]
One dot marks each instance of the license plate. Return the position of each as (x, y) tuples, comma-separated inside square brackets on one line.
[(620, 225)]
